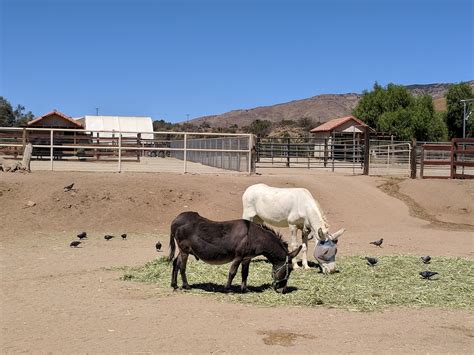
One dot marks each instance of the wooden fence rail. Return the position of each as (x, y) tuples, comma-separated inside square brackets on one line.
[(460, 155)]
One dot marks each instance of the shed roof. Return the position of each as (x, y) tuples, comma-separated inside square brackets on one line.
[(336, 122), (55, 113), (120, 124)]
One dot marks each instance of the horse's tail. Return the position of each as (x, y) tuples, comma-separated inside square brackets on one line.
[(172, 244)]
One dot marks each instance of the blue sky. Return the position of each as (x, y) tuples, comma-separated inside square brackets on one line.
[(167, 59)]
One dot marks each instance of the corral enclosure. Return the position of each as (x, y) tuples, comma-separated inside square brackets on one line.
[(49, 288), (105, 150), (99, 150)]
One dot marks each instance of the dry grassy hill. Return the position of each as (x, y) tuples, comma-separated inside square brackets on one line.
[(320, 108)]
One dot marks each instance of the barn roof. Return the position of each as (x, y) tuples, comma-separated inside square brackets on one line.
[(55, 113), (336, 122)]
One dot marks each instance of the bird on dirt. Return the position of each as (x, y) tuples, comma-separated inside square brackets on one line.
[(108, 237), (426, 259), (371, 261), (68, 187), (377, 242), (82, 235), (427, 275), (124, 236), (75, 243), (158, 246)]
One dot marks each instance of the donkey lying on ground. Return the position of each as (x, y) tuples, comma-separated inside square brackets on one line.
[(288, 207), (232, 241)]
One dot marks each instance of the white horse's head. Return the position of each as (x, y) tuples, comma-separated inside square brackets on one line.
[(326, 250)]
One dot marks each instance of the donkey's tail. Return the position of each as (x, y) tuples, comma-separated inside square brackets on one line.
[(172, 244)]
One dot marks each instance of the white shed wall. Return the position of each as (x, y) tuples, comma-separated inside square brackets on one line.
[(120, 124)]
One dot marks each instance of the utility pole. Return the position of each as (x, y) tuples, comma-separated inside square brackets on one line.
[(97, 111), (466, 115), (187, 117)]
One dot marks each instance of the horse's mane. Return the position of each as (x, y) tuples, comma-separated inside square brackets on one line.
[(277, 234)]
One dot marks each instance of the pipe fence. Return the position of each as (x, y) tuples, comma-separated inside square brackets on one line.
[(223, 151)]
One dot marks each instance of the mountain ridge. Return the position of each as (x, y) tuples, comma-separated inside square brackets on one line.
[(319, 108)]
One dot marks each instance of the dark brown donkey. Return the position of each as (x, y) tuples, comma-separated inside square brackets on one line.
[(232, 241)]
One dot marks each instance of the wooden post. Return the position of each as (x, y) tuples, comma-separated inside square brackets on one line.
[(453, 159), (25, 163), (325, 152), (139, 139), (366, 150), (23, 139)]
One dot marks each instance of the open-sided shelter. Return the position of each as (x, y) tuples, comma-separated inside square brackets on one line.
[(348, 130)]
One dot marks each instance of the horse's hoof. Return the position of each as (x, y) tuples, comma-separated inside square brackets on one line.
[(244, 290), (296, 267), (306, 267), (186, 287)]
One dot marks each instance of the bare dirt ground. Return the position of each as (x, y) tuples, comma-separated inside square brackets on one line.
[(58, 299)]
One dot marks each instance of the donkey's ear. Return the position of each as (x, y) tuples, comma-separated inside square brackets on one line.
[(321, 234), (295, 252)]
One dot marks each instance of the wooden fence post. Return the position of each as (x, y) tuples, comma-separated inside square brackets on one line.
[(325, 156), (139, 152), (366, 150), (23, 139), (413, 159), (453, 158)]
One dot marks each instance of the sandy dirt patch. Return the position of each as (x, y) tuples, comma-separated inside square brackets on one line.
[(60, 299)]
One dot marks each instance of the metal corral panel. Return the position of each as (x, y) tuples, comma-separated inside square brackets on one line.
[(120, 123)]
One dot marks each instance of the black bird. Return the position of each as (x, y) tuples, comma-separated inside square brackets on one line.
[(427, 275), (68, 187), (377, 242), (371, 261), (75, 243), (158, 246), (82, 235), (108, 237), (124, 236), (426, 259)]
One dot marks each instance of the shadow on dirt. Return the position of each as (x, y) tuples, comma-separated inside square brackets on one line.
[(392, 188)]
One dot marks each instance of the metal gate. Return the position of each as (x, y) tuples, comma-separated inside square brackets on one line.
[(390, 159), (336, 152)]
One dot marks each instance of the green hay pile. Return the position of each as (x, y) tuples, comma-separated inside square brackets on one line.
[(394, 281)]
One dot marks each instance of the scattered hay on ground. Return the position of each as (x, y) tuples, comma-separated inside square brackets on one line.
[(394, 281)]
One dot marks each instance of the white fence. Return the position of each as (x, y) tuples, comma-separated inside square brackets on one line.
[(77, 149)]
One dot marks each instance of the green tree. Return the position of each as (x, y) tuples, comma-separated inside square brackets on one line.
[(260, 128), (455, 110), (394, 110), (162, 125), (7, 117), (22, 117), (306, 123)]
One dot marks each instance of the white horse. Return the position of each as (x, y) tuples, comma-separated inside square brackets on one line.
[(288, 207)]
